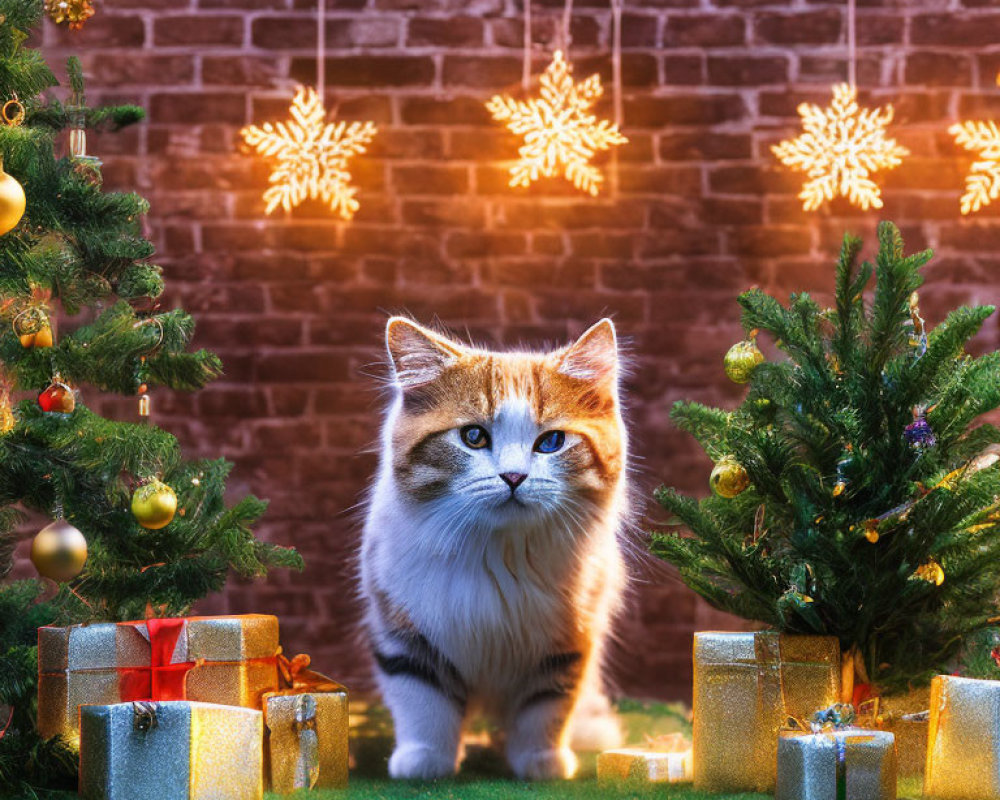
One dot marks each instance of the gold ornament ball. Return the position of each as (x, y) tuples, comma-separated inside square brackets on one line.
[(728, 478), (741, 360), (11, 202), (154, 505), (59, 551)]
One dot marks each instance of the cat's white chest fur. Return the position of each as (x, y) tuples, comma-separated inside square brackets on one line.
[(490, 609)]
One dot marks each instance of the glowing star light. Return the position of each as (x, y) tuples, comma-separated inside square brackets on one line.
[(310, 155), (982, 184), (560, 133), (839, 149)]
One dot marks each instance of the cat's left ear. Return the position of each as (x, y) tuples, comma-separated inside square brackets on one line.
[(594, 356)]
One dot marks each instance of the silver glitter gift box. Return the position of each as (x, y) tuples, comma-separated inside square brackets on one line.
[(175, 750), (854, 763)]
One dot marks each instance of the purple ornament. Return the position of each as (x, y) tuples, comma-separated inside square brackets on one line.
[(919, 434)]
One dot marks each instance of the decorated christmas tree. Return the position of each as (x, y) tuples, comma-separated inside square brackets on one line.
[(855, 493), (137, 531)]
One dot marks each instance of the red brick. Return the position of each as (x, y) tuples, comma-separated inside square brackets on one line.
[(938, 69), (199, 29), (813, 27), (484, 72), (747, 70), (198, 107), (366, 70), (699, 109), (954, 30), (709, 146), (704, 30), (446, 32)]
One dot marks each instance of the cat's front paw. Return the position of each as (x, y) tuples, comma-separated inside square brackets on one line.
[(545, 765), (420, 762)]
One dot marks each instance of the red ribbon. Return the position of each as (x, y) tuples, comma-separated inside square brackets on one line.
[(161, 680)]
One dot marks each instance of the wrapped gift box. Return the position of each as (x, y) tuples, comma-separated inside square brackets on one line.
[(963, 748), (746, 686), (851, 763), (226, 660), (307, 736), (644, 765), (175, 750)]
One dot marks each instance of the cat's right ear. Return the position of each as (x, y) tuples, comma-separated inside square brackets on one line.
[(418, 355)]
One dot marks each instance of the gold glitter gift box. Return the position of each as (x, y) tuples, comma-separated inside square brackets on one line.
[(643, 765), (746, 686), (227, 660), (306, 745), (963, 748), (175, 750), (851, 763)]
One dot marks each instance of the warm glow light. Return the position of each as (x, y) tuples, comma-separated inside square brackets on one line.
[(982, 184), (310, 155), (560, 133), (839, 148)]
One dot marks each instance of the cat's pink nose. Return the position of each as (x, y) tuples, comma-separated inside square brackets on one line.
[(513, 479)]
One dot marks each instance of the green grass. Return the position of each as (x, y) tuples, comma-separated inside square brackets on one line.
[(498, 789), (501, 789)]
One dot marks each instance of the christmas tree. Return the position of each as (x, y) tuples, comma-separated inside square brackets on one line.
[(157, 534), (855, 494)]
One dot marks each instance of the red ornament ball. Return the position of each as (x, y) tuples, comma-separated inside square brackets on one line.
[(58, 398)]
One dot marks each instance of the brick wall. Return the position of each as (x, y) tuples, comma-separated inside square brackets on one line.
[(295, 305)]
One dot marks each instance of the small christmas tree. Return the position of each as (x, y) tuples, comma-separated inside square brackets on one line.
[(78, 253), (855, 495)]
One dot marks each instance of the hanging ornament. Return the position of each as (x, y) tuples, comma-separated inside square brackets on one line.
[(839, 149), (560, 132), (7, 418), (932, 572), (742, 359), (73, 12), (919, 434), (59, 551), (12, 112), (844, 465), (310, 155), (58, 398), (154, 505), (918, 337), (12, 201), (33, 328), (728, 478), (871, 531)]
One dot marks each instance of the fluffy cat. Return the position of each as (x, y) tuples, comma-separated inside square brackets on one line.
[(490, 563)]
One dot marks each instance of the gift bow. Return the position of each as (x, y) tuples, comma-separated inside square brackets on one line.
[(162, 679), (296, 675)]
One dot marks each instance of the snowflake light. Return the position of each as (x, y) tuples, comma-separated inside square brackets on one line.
[(839, 149), (560, 132), (310, 155), (982, 184)]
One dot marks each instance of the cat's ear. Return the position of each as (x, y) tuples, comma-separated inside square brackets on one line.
[(418, 355), (594, 356)]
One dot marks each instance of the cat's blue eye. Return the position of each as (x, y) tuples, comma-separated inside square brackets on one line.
[(550, 442), (475, 436)]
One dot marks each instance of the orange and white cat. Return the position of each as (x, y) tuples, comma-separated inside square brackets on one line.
[(491, 567)]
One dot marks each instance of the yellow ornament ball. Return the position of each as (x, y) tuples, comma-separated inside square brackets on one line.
[(12, 202), (728, 478), (154, 505), (59, 551), (741, 360)]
